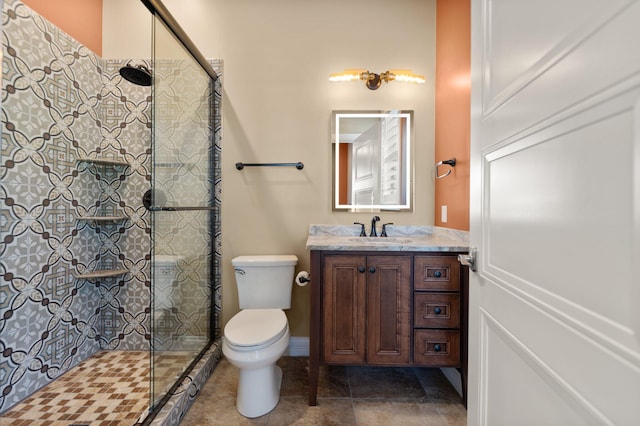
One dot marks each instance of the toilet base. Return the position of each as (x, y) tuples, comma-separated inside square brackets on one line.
[(258, 390)]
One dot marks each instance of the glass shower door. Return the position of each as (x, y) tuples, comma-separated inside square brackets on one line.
[(181, 211)]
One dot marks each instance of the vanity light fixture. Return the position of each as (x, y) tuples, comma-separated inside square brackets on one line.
[(373, 81)]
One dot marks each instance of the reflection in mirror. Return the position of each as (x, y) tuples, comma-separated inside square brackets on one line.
[(372, 160)]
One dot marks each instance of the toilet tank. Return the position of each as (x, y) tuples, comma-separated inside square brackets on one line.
[(264, 281)]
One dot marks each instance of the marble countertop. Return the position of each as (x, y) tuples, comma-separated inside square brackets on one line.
[(400, 238)]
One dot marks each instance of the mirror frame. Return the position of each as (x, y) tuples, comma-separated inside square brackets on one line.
[(407, 159)]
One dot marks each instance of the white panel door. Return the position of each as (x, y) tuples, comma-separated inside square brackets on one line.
[(555, 213)]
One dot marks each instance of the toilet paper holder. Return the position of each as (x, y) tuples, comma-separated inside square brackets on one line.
[(303, 278)]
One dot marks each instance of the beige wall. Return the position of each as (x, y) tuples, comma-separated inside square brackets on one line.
[(277, 56)]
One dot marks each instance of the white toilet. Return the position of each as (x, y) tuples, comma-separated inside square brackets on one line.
[(257, 336)]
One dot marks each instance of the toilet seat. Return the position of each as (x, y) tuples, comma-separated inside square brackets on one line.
[(252, 329)]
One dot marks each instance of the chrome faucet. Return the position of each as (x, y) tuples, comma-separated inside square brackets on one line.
[(373, 226)]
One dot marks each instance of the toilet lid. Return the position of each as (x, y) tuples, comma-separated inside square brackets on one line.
[(255, 327)]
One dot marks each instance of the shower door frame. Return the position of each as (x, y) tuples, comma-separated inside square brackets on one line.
[(157, 9)]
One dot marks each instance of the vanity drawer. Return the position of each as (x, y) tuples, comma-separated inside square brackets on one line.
[(436, 310), (439, 348), (436, 273)]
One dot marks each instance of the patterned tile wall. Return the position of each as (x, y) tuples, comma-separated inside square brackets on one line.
[(50, 116), (61, 102)]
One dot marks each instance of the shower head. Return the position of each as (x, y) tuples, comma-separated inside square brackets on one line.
[(138, 74)]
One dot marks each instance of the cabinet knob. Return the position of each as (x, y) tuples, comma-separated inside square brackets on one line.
[(372, 269), (437, 311), (437, 274), (361, 269), (437, 348)]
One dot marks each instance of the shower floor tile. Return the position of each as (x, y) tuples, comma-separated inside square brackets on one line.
[(110, 388)]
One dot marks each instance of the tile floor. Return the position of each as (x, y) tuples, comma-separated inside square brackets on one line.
[(346, 396), (109, 388)]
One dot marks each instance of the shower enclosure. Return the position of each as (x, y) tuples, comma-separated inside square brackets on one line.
[(94, 276), (184, 212)]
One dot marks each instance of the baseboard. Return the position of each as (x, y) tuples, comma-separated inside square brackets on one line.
[(298, 346), (453, 376)]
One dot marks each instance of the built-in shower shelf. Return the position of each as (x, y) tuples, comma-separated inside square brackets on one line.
[(101, 273), (102, 218), (103, 161)]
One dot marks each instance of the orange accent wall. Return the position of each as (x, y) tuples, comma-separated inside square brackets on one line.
[(81, 19), (453, 98)]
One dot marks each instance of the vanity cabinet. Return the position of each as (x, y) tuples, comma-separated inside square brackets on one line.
[(366, 309), (387, 308)]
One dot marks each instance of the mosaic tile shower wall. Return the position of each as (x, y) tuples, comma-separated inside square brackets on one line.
[(60, 104)]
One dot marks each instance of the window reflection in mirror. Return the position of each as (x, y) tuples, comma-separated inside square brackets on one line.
[(372, 160)]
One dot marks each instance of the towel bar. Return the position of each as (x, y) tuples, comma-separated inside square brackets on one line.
[(242, 165)]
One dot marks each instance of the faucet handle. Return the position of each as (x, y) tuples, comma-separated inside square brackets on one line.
[(384, 229), (363, 233)]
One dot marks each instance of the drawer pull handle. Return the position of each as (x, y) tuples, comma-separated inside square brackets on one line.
[(437, 311), (437, 274), (361, 269), (437, 348), (372, 269)]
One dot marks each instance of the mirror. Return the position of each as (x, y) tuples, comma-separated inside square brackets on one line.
[(372, 167)]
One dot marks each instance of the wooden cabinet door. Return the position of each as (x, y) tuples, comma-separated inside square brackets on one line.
[(388, 309), (344, 309)]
